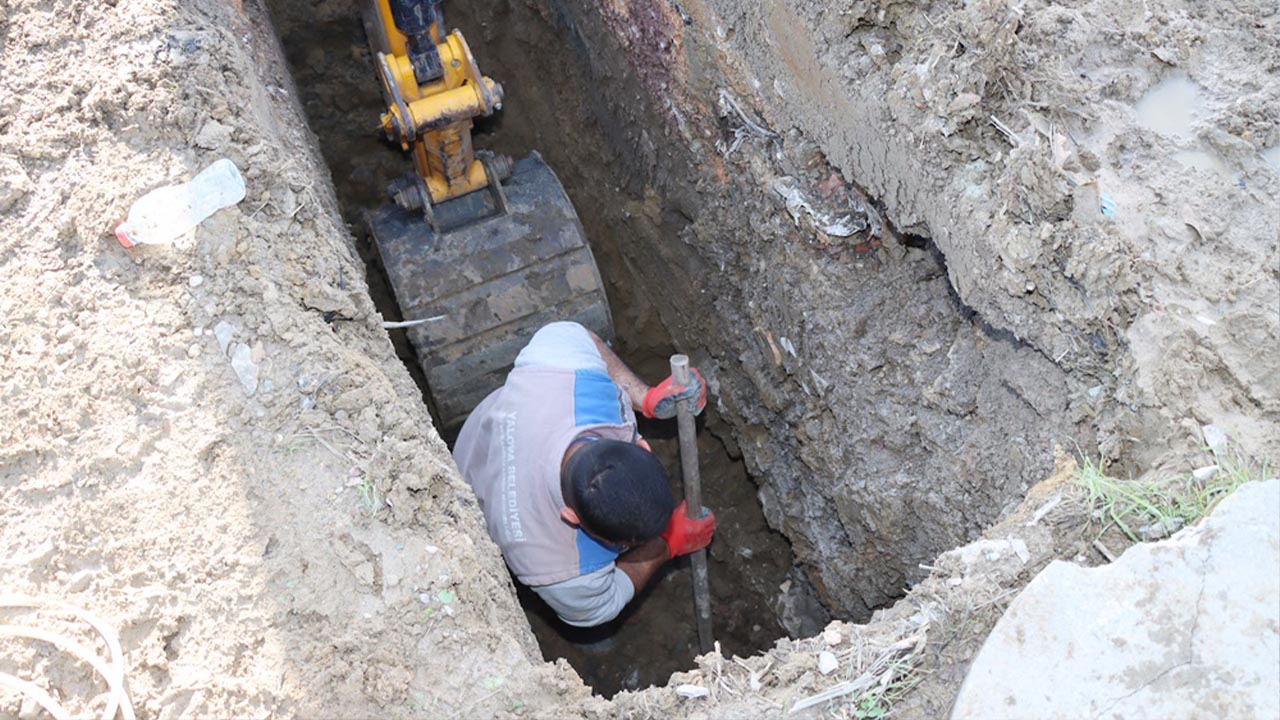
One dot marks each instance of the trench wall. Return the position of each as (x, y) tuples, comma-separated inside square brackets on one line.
[(884, 420), (896, 394)]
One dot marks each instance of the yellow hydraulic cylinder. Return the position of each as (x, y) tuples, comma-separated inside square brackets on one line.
[(433, 120)]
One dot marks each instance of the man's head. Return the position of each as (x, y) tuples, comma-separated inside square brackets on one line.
[(617, 492)]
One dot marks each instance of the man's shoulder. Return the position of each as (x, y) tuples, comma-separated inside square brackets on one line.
[(563, 345)]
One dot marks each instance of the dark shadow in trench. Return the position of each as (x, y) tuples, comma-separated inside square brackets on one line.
[(655, 636)]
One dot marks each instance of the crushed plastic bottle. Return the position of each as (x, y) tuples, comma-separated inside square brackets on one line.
[(166, 214)]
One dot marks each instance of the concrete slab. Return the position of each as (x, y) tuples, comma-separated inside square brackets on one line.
[(1188, 628)]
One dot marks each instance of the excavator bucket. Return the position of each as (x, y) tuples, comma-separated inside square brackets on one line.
[(488, 272)]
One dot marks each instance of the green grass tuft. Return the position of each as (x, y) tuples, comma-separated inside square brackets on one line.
[(368, 494), (1130, 504)]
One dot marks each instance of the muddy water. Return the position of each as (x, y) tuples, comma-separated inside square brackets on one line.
[(748, 561), (1171, 107)]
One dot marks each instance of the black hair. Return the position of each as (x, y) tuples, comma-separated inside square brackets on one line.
[(619, 490)]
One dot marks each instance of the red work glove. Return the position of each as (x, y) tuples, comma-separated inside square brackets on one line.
[(683, 535), (660, 401)]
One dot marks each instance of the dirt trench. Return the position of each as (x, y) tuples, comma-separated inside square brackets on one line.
[(305, 547), (903, 452), (759, 594)]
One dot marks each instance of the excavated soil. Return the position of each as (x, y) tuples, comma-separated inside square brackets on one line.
[(1070, 239)]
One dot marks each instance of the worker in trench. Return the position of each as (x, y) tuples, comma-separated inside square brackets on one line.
[(571, 493)]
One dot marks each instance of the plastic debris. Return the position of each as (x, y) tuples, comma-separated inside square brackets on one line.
[(787, 345), (692, 691), (167, 213), (827, 662), (798, 206), (747, 130), (1106, 204), (393, 325)]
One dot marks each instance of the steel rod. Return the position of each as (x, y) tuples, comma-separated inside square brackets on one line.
[(685, 421)]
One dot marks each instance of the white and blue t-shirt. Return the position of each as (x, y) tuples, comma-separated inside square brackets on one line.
[(510, 450)]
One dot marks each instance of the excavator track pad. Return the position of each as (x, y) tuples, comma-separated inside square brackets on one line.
[(491, 282)]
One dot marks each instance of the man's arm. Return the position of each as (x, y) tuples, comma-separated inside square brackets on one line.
[(641, 562), (597, 597), (622, 376)]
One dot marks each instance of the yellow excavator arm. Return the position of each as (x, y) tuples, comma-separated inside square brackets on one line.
[(434, 90), (482, 270)]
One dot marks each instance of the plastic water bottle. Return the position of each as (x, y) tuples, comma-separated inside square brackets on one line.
[(166, 214)]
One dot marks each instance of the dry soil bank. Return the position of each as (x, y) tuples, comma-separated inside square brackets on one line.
[(302, 549)]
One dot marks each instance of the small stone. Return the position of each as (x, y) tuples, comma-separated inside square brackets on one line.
[(80, 581), (827, 662), (15, 184), (213, 135), (831, 636), (194, 350), (963, 102), (224, 331), (168, 375), (1215, 438), (1162, 529), (246, 370), (195, 281), (1204, 473), (691, 691)]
